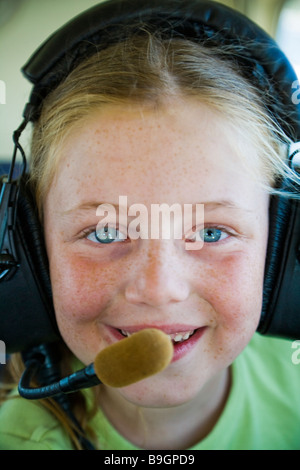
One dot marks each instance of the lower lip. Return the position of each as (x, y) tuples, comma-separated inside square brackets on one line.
[(181, 349)]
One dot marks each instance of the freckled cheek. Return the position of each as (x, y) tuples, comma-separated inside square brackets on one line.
[(233, 286), (82, 289), (234, 292)]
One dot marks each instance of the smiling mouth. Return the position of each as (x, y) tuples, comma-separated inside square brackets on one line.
[(178, 337)]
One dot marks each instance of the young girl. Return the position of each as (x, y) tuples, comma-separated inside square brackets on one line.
[(162, 121)]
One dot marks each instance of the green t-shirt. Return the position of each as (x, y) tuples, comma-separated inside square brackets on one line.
[(262, 411)]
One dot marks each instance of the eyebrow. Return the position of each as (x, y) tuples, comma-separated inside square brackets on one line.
[(208, 206), (214, 205), (87, 206)]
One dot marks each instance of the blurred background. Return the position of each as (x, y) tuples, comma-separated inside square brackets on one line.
[(24, 24)]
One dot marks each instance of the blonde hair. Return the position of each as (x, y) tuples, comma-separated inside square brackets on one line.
[(146, 69)]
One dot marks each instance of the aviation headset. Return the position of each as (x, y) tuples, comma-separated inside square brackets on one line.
[(26, 310)]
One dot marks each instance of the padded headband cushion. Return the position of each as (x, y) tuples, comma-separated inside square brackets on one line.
[(261, 60)]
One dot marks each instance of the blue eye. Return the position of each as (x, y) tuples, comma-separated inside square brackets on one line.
[(212, 235), (106, 235), (209, 235)]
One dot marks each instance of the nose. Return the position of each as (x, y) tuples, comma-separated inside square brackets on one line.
[(159, 276)]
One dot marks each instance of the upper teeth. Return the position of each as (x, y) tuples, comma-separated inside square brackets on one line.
[(177, 337)]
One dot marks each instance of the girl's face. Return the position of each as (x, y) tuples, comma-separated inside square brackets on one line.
[(209, 293)]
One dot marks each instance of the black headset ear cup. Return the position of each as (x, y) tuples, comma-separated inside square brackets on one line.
[(33, 239), (280, 313), (26, 313), (278, 216)]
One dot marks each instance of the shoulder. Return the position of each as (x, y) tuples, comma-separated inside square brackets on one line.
[(263, 407), (27, 425), (275, 352), (275, 359), (271, 374)]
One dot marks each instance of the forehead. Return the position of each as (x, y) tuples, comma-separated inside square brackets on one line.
[(150, 154)]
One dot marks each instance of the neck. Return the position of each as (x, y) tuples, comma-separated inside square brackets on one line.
[(177, 427)]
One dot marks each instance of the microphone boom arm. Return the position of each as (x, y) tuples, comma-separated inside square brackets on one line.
[(83, 378)]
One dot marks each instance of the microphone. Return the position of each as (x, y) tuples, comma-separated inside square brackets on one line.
[(130, 360), (135, 358)]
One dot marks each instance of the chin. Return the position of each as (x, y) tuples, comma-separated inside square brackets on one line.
[(160, 393)]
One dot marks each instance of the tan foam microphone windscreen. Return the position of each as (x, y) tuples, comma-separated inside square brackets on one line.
[(134, 358)]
